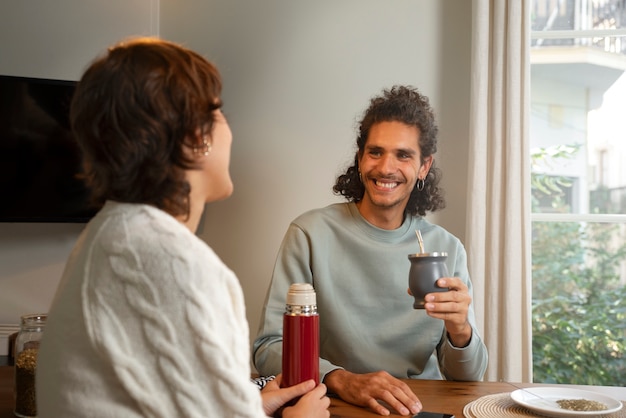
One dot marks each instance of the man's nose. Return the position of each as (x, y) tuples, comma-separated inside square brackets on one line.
[(387, 164)]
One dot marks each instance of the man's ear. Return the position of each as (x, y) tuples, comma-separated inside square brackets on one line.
[(425, 168)]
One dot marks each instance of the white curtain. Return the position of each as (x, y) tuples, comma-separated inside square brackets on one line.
[(498, 232)]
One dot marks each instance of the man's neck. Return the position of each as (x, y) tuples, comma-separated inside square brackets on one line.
[(384, 218)]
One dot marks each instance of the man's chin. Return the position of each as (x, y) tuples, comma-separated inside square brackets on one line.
[(388, 204)]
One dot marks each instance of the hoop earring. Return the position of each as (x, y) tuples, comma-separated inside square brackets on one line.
[(420, 184), (205, 149), (360, 179)]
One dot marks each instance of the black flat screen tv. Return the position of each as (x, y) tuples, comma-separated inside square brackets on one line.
[(40, 163)]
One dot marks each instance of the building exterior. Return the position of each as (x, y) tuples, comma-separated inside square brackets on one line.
[(578, 101)]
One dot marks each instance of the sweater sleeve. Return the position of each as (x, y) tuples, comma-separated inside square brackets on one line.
[(171, 325)]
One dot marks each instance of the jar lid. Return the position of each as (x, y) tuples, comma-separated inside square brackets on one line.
[(34, 319), (302, 294)]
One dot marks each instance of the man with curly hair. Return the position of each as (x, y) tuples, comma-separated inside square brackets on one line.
[(355, 254)]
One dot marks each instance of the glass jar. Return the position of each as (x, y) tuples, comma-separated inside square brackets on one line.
[(26, 350)]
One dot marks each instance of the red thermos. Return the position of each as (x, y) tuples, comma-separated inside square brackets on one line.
[(301, 335)]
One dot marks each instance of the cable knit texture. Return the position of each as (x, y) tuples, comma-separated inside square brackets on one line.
[(147, 322)]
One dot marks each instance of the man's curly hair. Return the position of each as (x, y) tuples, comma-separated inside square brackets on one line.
[(401, 104)]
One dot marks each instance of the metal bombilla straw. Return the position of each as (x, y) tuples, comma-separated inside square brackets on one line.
[(420, 240)]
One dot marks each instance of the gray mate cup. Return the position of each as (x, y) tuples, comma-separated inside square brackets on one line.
[(426, 269)]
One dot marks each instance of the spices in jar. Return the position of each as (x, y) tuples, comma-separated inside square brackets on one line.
[(26, 350)]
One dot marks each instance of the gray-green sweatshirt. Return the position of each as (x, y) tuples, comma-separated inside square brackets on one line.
[(367, 321)]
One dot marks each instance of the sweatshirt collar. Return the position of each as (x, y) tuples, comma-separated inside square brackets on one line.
[(408, 226)]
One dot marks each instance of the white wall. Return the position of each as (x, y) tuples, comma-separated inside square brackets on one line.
[(297, 75), (56, 40)]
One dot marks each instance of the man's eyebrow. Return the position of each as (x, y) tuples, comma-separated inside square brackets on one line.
[(409, 151)]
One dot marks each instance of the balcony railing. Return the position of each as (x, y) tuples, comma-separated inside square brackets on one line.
[(598, 24)]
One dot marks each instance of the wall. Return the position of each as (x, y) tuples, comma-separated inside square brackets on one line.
[(53, 40), (39, 38), (297, 77)]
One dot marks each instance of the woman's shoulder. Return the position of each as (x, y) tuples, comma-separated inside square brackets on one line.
[(143, 227), (156, 241)]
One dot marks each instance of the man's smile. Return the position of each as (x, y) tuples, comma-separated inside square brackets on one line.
[(387, 184)]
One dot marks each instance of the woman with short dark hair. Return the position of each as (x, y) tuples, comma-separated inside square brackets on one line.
[(148, 321)]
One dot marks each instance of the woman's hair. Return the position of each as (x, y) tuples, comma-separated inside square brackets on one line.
[(406, 105), (133, 113)]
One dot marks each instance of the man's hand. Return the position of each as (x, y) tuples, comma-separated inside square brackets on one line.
[(372, 388), (452, 306)]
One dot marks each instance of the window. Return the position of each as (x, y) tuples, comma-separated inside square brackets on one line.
[(578, 155)]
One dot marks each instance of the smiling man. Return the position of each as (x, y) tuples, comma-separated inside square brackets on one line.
[(355, 254)]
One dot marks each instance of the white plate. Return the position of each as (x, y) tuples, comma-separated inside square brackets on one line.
[(543, 401)]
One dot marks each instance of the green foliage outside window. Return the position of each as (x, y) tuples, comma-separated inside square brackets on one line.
[(578, 299)]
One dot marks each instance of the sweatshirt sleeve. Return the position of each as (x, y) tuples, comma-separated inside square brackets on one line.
[(293, 265), (470, 362)]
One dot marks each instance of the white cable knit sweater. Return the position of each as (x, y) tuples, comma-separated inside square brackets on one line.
[(147, 322)]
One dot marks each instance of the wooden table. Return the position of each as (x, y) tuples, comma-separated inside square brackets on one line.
[(451, 397), (436, 395)]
